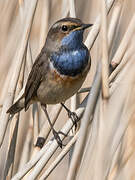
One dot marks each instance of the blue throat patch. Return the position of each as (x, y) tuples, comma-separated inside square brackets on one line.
[(73, 56), (73, 40)]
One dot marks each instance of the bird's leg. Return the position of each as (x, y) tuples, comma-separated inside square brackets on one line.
[(72, 115), (55, 133)]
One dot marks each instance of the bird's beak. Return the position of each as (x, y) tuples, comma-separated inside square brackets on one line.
[(85, 26)]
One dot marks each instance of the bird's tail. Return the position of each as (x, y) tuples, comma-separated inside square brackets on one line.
[(17, 106)]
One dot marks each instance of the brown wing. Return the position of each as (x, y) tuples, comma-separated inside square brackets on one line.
[(36, 75)]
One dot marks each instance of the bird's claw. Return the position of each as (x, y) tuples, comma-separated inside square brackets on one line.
[(73, 117), (57, 137)]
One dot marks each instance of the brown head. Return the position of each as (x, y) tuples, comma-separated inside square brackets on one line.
[(63, 28)]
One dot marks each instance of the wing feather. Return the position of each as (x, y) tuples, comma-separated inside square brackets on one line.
[(36, 75)]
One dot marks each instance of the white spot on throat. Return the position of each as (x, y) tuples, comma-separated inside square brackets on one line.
[(75, 53)]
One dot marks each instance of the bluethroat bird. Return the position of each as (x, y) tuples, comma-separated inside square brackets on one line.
[(59, 70)]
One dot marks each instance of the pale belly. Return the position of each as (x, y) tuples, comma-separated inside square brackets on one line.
[(56, 89)]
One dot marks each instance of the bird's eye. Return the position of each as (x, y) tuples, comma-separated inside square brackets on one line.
[(64, 28)]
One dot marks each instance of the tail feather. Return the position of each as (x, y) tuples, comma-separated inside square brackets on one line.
[(16, 107)]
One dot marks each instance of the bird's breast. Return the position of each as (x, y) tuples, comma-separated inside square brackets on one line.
[(70, 62), (68, 81), (66, 74), (58, 88)]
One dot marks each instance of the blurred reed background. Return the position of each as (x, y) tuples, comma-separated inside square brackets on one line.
[(105, 141)]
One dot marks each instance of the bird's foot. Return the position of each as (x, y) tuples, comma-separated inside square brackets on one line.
[(57, 137), (73, 117)]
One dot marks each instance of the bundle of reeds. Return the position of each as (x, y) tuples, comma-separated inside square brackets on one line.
[(102, 148)]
